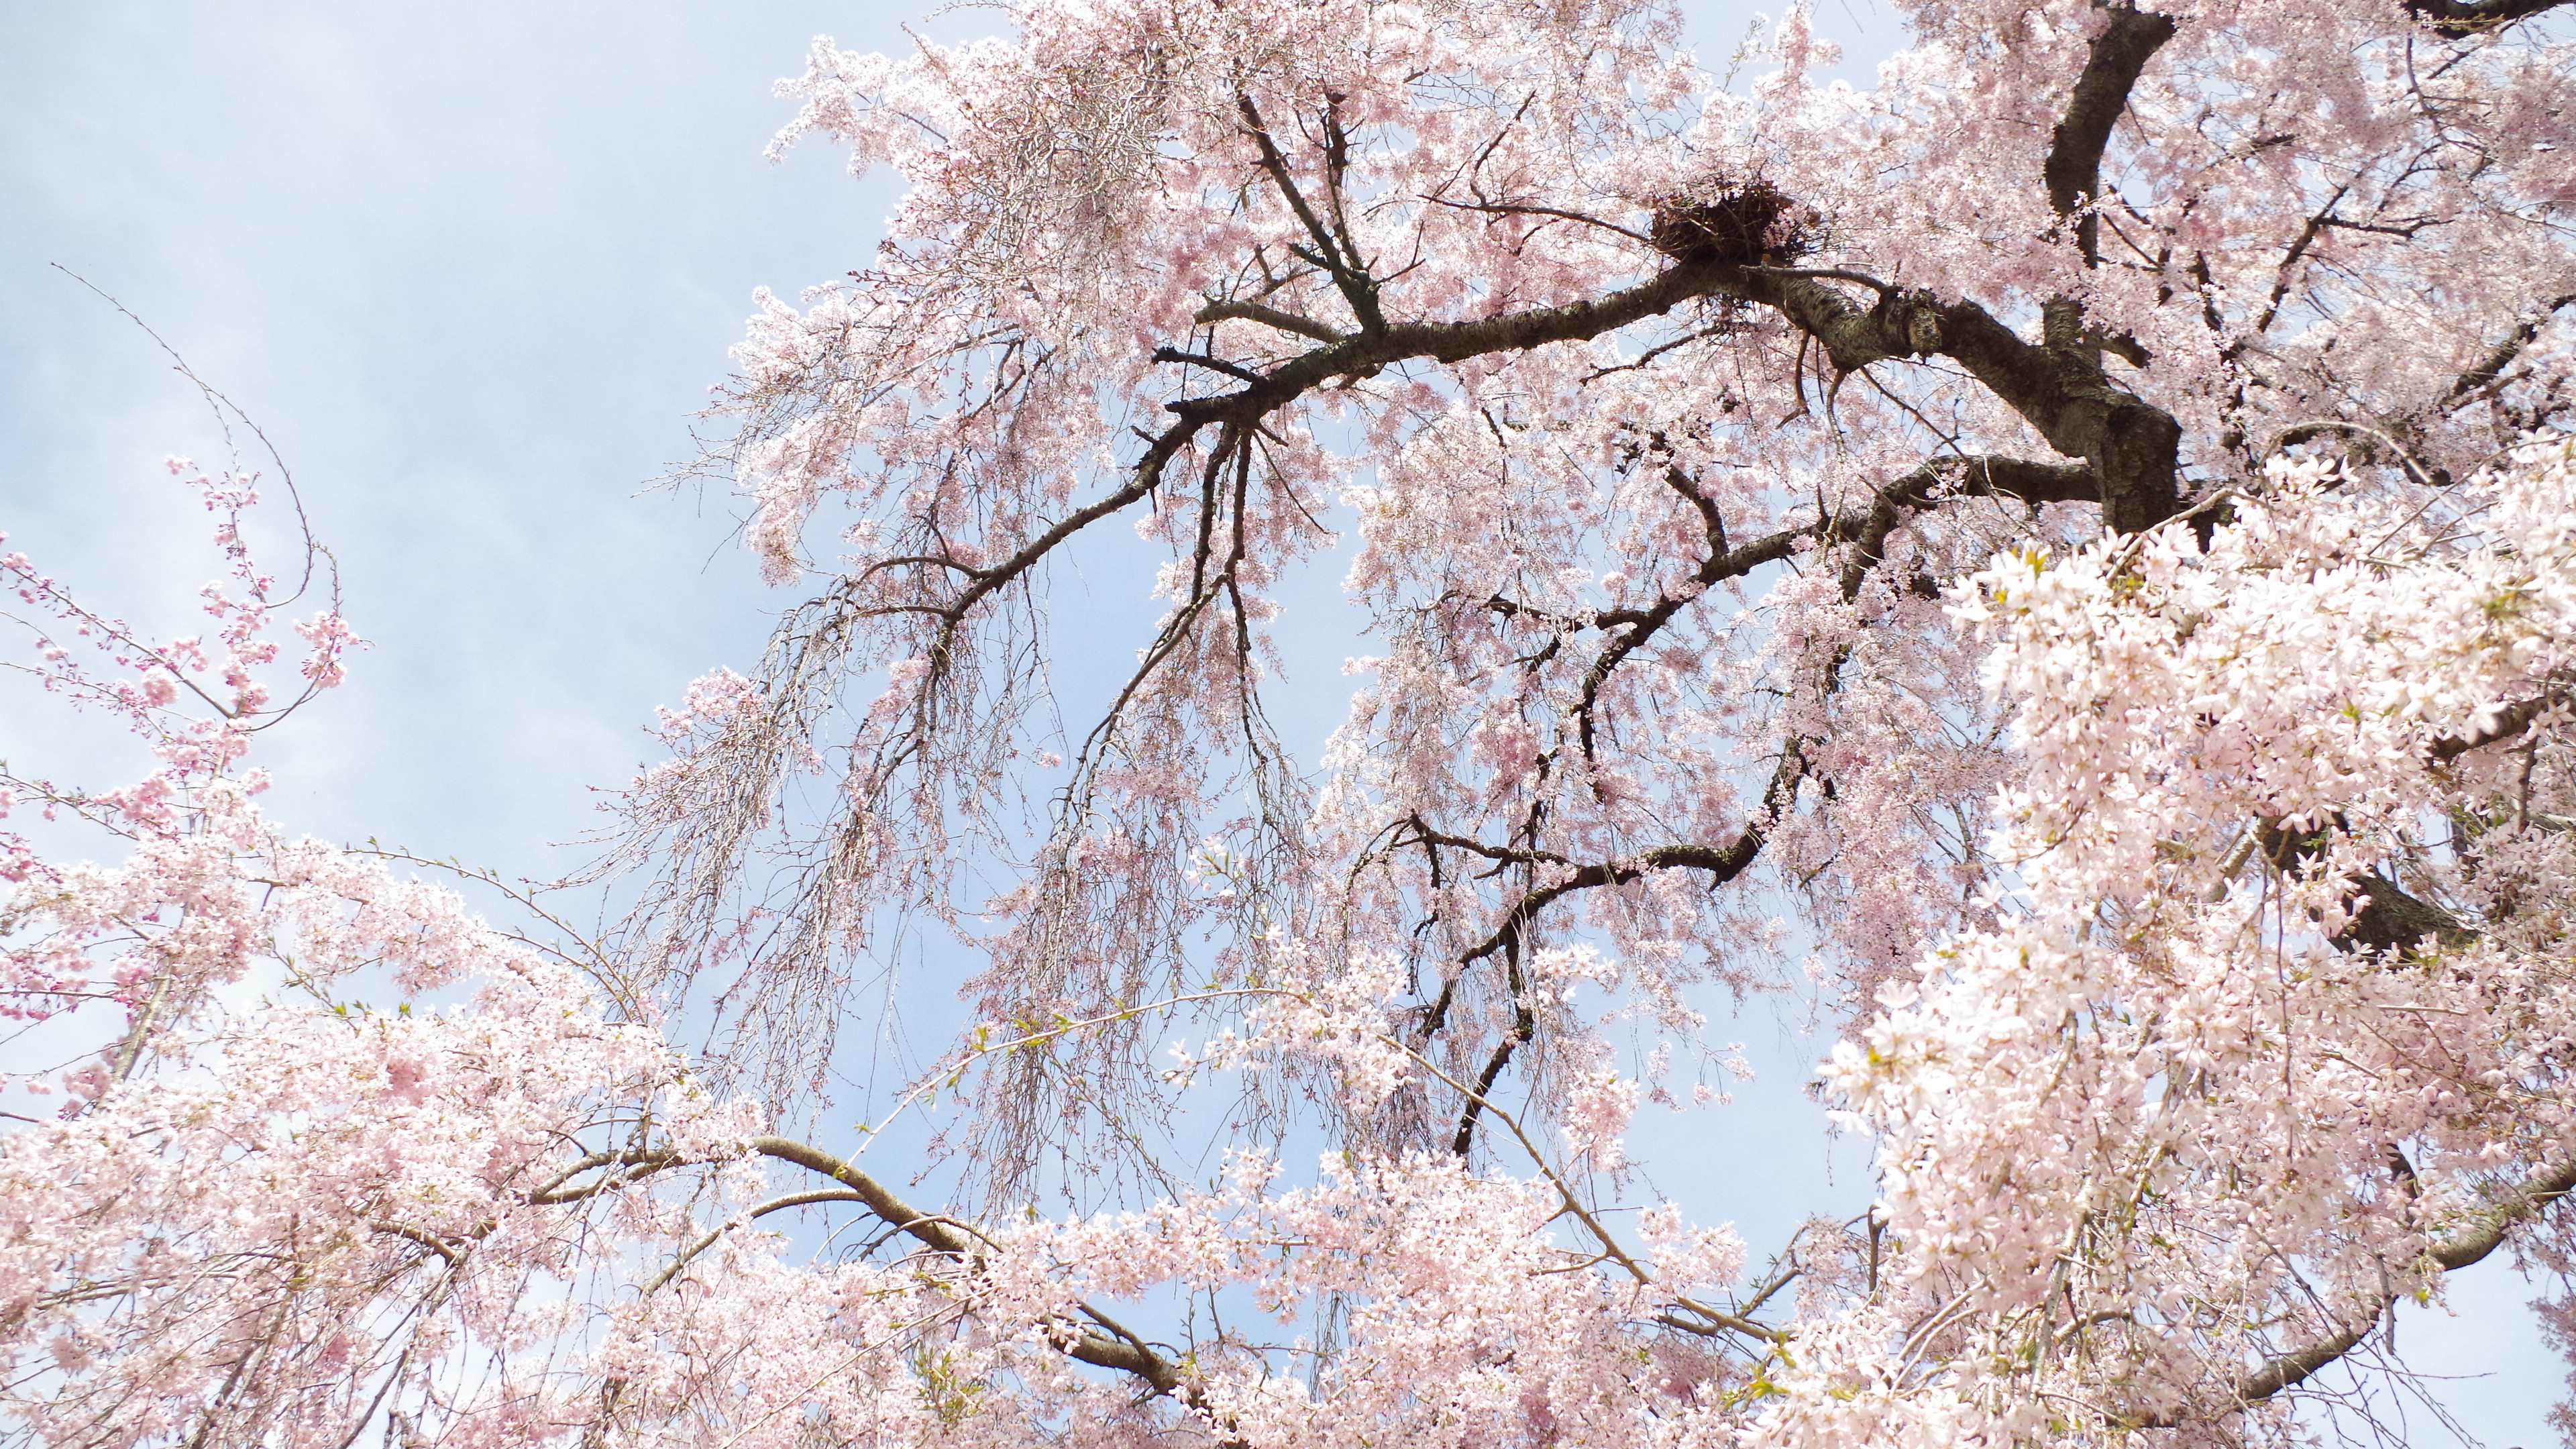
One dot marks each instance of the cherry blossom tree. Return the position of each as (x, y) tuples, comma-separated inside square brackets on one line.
[(2067, 558)]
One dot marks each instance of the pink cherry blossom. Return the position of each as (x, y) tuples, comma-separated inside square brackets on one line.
[(2060, 563)]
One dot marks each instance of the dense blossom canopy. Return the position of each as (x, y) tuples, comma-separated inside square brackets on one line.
[(2067, 556)]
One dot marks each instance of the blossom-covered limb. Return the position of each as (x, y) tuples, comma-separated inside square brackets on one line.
[(2461, 19), (2113, 61)]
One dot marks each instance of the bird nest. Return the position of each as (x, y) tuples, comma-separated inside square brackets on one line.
[(1744, 224)]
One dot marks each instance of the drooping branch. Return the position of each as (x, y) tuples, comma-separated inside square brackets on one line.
[(1524, 1029), (1723, 864), (1143, 479), (1866, 531), (1639, 625), (2475, 1239), (1232, 454)]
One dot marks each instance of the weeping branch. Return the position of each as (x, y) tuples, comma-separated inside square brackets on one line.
[(2469, 1243)]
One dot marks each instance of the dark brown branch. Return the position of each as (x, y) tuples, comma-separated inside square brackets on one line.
[(2032, 483), (2129, 444), (1997, 477), (1126, 1353), (1867, 531), (2073, 170), (1348, 272), (2509, 721), (1201, 359), (2384, 917), (2389, 919), (1457, 341), (1510, 855), (1723, 863), (2491, 367), (1268, 317), (1148, 475), (931, 1232), (2055, 385), (1234, 448), (2282, 274), (2461, 19), (1721, 564), (1524, 1027)]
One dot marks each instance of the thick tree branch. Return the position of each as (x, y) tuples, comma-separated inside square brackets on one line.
[(1200, 359), (444, 1249), (2127, 443), (2074, 166), (2057, 386), (1457, 341), (931, 1232), (2506, 723), (2461, 19), (2490, 368), (2483, 1234), (1996, 477), (2389, 919), (2384, 917), (644, 1164), (1349, 272), (1268, 317)]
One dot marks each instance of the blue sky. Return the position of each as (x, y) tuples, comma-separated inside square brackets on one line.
[(472, 266)]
